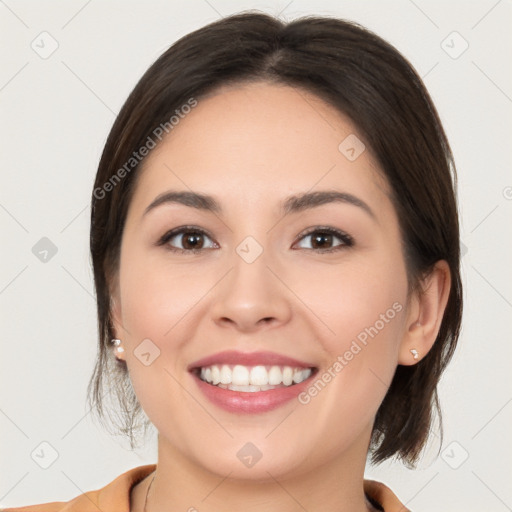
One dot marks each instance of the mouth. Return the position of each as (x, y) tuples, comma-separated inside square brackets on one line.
[(251, 379), (251, 382)]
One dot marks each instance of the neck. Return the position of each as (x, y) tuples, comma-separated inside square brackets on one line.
[(180, 484)]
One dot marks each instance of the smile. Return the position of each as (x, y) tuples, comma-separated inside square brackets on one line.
[(251, 379), (256, 382)]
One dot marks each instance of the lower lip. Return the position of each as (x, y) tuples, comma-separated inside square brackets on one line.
[(251, 403)]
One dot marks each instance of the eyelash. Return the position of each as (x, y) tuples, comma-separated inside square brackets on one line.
[(347, 240)]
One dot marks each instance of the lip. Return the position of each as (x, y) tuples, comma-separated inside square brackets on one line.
[(251, 403), (245, 402), (249, 359)]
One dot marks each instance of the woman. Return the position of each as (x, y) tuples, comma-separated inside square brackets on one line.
[(275, 245)]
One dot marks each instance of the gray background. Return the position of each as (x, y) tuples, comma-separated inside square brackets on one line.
[(56, 111)]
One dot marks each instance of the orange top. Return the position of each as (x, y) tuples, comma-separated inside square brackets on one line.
[(115, 497)]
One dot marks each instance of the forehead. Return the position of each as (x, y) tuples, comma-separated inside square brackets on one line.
[(262, 141)]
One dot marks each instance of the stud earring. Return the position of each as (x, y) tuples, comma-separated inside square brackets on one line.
[(117, 344), (414, 353)]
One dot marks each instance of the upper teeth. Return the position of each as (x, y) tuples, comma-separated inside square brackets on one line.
[(254, 375)]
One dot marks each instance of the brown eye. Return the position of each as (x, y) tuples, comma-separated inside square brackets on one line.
[(191, 240), (319, 241), (186, 239), (322, 240)]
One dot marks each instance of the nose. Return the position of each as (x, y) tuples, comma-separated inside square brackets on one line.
[(251, 297)]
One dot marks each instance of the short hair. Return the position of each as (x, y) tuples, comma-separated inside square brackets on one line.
[(366, 79)]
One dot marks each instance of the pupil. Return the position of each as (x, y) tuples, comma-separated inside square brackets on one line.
[(322, 237), (192, 240)]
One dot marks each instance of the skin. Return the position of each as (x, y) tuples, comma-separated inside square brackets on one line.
[(251, 146)]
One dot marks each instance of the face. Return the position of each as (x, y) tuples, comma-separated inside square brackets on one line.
[(317, 286)]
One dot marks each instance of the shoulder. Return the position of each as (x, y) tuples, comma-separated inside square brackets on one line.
[(384, 496), (114, 497)]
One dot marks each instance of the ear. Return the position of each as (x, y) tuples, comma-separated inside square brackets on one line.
[(425, 314)]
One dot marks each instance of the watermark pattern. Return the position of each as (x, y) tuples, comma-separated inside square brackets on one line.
[(249, 249), (351, 147), (455, 455), (146, 352), (249, 454), (463, 249), (137, 156), (44, 250), (44, 454), (45, 45), (454, 45), (44, 48), (355, 348)]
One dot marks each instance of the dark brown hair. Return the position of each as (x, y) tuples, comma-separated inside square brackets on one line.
[(366, 79)]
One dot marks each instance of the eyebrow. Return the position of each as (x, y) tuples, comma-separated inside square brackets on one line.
[(292, 204)]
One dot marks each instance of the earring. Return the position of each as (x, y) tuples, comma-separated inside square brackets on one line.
[(117, 344), (414, 353)]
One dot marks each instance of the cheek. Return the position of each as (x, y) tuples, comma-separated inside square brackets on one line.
[(354, 300), (160, 302), (156, 296), (154, 305), (364, 308)]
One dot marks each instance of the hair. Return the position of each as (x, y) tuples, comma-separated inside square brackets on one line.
[(364, 78)]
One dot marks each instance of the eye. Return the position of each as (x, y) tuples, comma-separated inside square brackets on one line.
[(322, 237), (190, 238), (192, 241)]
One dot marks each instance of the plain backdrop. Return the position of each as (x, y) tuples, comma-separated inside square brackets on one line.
[(67, 68)]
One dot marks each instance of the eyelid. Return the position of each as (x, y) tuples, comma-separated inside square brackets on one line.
[(180, 230), (327, 229), (348, 241)]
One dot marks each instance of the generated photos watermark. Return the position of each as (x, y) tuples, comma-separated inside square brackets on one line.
[(355, 348), (137, 156)]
